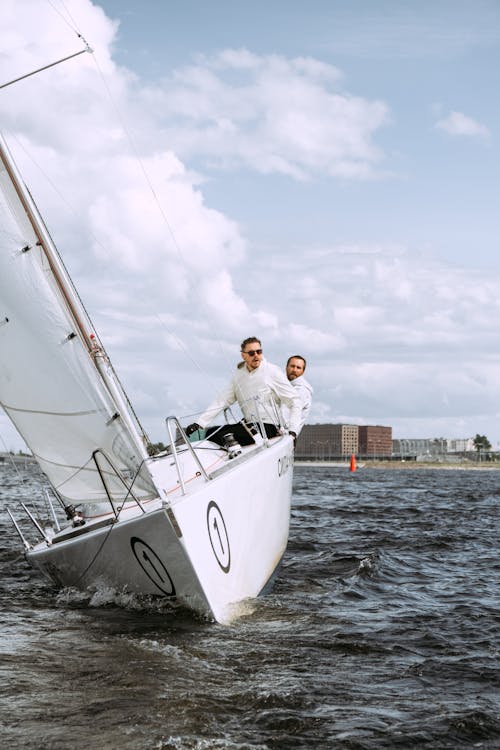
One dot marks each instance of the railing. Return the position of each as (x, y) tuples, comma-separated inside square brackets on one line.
[(174, 422), (70, 510), (176, 432)]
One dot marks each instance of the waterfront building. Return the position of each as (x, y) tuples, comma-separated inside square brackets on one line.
[(428, 447), (460, 445), (375, 441), (323, 442), (327, 442)]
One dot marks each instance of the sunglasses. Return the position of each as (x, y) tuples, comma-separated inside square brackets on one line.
[(253, 352)]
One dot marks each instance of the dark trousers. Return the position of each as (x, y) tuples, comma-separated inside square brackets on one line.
[(240, 432)]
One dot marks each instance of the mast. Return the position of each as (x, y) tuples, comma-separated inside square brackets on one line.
[(83, 325)]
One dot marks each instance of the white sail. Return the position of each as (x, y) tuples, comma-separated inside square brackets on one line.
[(56, 383)]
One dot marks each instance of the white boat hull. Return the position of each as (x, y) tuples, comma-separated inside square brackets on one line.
[(209, 548)]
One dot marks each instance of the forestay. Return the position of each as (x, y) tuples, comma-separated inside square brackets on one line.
[(56, 383)]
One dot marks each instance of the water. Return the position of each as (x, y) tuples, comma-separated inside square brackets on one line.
[(382, 631)]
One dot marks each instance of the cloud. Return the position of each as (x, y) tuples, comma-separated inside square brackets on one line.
[(388, 332), (270, 114), (456, 123), (140, 209), (173, 283)]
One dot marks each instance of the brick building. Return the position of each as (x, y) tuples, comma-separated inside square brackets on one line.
[(322, 442), (375, 441)]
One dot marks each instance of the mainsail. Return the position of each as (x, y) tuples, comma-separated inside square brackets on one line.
[(56, 383)]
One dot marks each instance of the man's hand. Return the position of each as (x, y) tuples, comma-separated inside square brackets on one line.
[(192, 428), (294, 435)]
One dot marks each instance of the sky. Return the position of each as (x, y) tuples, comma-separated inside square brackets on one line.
[(322, 175)]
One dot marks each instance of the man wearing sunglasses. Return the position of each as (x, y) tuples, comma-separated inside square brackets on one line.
[(261, 389)]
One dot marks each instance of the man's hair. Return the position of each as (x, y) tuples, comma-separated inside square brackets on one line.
[(296, 356), (250, 340)]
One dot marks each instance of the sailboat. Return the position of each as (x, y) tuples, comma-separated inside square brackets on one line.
[(200, 524)]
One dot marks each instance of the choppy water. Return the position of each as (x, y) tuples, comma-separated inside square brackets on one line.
[(382, 631)]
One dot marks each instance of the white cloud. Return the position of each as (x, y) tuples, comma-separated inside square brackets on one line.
[(456, 123), (407, 336), (270, 114), (161, 236), (314, 340)]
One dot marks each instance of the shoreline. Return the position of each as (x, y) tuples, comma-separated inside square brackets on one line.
[(400, 465), (9, 458)]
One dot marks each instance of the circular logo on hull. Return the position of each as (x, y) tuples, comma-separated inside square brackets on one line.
[(218, 536), (152, 566)]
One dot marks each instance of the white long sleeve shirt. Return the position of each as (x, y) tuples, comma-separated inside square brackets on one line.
[(260, 392), (305, 391)]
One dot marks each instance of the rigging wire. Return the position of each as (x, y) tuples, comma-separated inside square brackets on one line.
[(62, 197), (135, 151), (13, 137), (130, 139), (72, 24), (126, 130)]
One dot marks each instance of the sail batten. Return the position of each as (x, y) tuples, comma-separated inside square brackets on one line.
[(56, 383)]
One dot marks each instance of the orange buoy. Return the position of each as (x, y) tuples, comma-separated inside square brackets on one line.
[(353, 463)]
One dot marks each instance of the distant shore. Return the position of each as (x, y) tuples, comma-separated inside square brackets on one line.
[(20, 458), (16, 458), (402, 465)]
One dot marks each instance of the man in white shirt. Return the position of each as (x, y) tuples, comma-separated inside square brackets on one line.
[(260, 388), (295, 368)]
